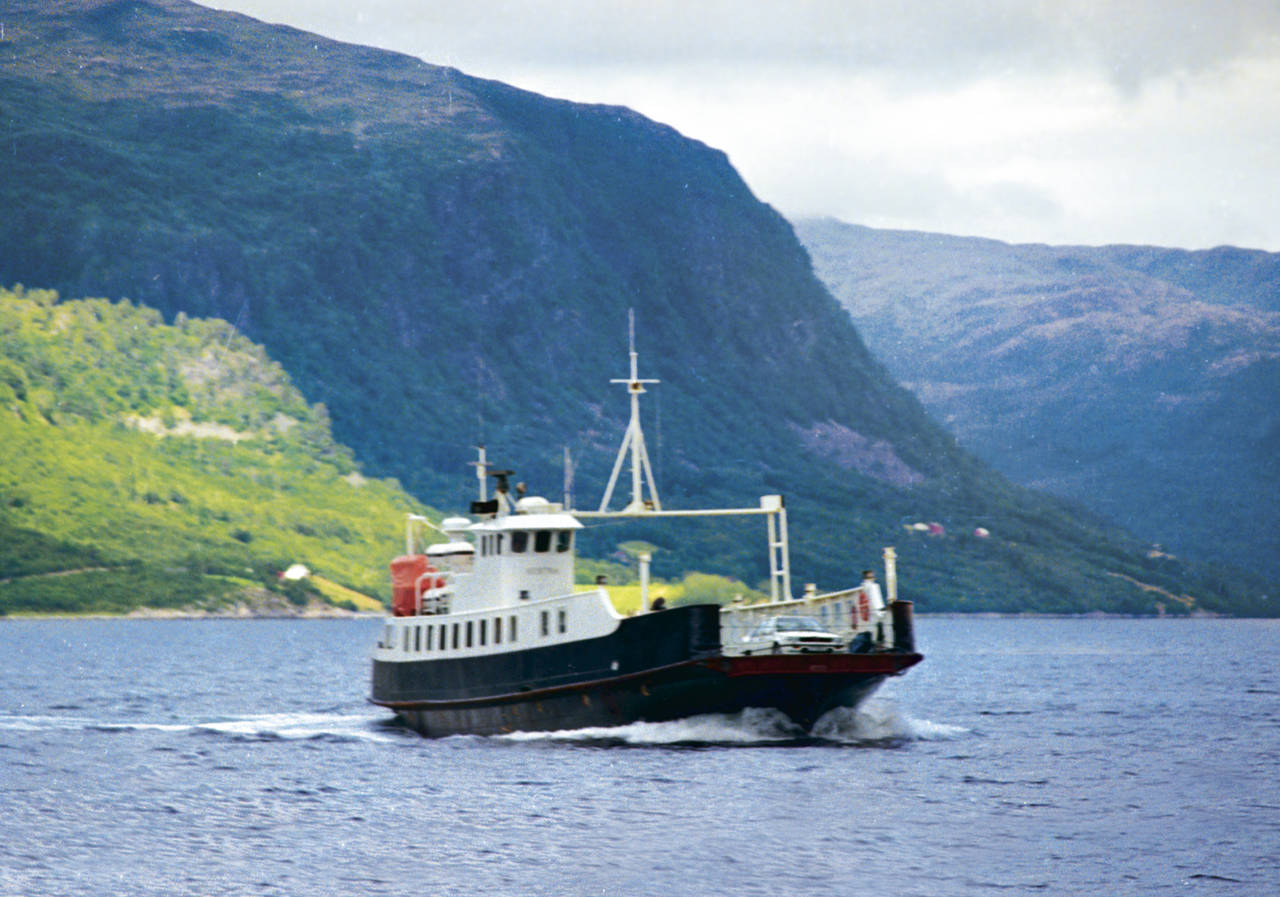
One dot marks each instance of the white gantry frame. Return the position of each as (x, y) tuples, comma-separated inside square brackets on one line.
[(642, 475)]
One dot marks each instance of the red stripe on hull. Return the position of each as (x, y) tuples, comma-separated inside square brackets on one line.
[(810, 664)]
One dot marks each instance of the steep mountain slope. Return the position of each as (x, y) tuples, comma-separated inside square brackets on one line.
[(441, 260), (1143, 382)]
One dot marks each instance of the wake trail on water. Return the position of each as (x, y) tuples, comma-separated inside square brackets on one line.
[(267, 726), (882, 722), (873, 724), (747, 727), (876, 723), (301, 726)]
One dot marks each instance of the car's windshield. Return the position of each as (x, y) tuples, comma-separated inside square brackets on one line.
[(798, 624)]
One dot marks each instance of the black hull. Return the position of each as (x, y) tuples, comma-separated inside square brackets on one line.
[(654, 668), (699, 688), (804, 687)]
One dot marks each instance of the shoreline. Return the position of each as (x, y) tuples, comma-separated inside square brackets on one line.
[(152, 614), (238, 612), (329, 612)]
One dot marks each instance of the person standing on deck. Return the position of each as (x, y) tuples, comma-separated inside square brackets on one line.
[(871, 589)]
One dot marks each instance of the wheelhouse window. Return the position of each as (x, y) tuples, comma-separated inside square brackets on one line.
[(542, 541), (564, 540), (519, 541)]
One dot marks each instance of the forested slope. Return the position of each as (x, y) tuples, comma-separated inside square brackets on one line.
[(171, 466)]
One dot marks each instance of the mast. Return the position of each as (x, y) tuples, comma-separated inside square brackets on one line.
[(633, 441), (771, 506)]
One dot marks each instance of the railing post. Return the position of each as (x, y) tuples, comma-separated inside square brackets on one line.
[(891, 574), (645, 557)]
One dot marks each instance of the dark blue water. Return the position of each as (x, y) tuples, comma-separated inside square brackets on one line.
[(1023, 756)]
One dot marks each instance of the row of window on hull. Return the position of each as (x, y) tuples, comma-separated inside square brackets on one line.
[(541, 541), (472, 633)]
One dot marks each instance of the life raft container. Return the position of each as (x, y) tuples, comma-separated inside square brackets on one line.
[(409, 581)]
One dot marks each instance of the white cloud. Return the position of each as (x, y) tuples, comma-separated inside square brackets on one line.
[(1085, 122)]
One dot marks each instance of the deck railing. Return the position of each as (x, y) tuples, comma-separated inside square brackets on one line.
[(838, 612)]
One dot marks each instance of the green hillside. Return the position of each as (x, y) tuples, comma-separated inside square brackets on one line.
[(145, 464)]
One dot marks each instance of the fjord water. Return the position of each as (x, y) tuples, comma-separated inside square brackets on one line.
[(1045, 756)]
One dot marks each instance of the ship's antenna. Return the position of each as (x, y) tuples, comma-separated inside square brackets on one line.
[(568, 480), (633, 441), (482, 473)]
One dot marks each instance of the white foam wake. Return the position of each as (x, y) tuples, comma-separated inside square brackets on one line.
[(873, 723), (882, 721), (39, 723), (751, 726), (298, 726), (284, 726)]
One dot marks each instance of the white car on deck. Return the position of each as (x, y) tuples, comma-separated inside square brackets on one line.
[(791, 635)]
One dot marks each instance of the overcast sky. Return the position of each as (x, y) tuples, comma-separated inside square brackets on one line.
[(1128, 121)]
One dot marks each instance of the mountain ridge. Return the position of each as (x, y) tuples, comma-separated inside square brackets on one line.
[(1122, 377)]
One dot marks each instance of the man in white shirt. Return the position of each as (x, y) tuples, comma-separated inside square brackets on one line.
[(871, 589)]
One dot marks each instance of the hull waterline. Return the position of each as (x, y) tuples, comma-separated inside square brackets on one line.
[(803, 687)]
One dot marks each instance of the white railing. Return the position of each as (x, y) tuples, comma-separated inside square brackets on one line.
[(835, 611), (434, 600)]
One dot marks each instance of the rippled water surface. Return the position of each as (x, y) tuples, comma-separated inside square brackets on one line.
[(1022, 756)]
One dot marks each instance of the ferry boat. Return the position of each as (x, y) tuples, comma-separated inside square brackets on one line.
[(488, 633)]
